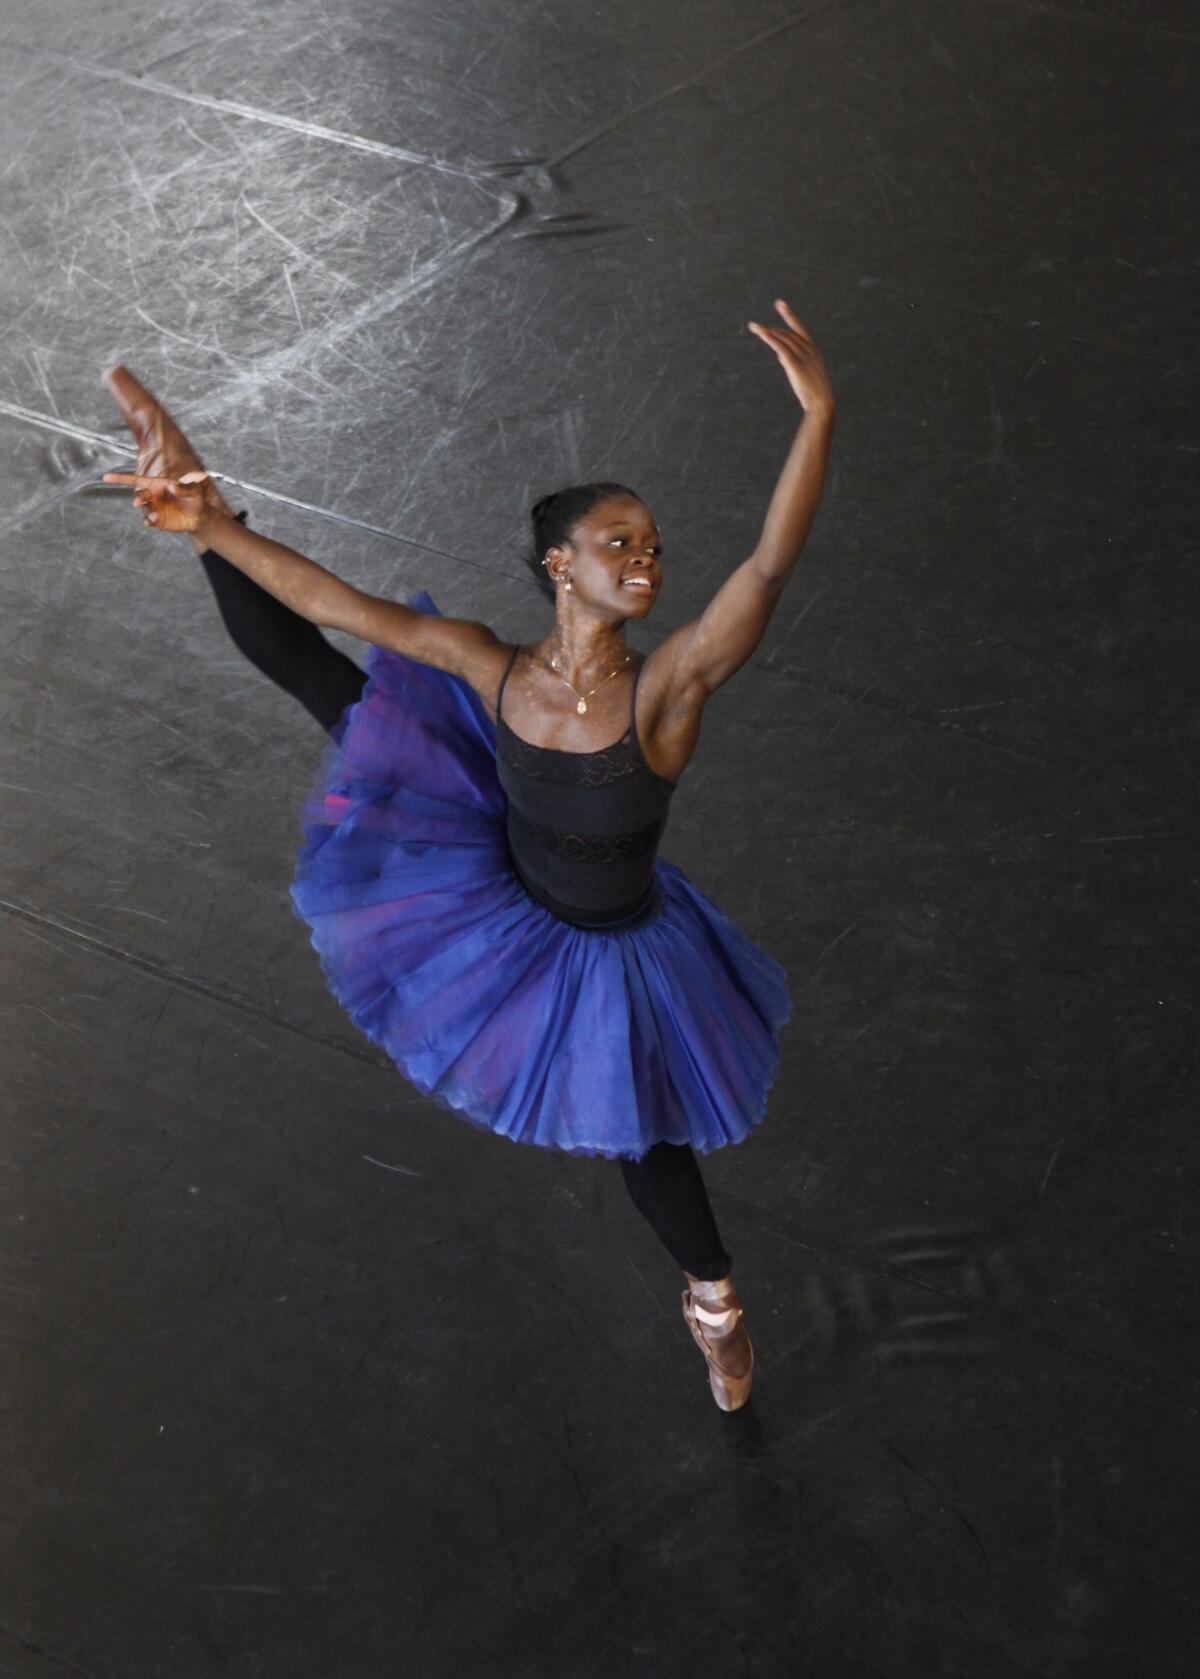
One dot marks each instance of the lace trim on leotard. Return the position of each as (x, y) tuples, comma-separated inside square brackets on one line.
[(571, 769), (586, 848)]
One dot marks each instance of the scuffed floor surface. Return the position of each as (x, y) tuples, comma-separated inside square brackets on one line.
[(304, 1378)]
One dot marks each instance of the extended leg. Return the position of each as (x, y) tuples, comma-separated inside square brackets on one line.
[(286, 647)]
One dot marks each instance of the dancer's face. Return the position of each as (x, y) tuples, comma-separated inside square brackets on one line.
[(614, 557)]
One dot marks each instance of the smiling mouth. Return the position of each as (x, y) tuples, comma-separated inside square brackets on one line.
[(638, 583)]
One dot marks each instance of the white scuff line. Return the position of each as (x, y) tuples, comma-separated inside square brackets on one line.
[(292, 294), (50, 422), (252, 113), (88, 479)]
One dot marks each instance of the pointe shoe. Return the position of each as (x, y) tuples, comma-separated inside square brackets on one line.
[(163, 450), (713, 1313)]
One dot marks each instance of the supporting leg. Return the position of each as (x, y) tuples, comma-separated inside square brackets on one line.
[(668, 1190)]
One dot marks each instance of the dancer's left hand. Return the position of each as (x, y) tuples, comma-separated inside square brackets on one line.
[(168, 504), (798, 357)]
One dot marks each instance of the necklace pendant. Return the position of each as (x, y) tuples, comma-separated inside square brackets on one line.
[(581, 707)]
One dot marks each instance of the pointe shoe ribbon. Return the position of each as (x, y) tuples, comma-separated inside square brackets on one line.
[(163, 450), (729, 1389)]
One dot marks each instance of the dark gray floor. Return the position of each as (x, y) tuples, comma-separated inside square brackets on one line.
[(304, 1377)]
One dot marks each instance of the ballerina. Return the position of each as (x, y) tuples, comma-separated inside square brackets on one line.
[(480, 873)]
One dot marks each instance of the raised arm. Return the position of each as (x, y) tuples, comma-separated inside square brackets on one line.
[(707, 651), (452, 644)]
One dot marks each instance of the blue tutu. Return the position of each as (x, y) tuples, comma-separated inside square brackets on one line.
[(582, 1040)]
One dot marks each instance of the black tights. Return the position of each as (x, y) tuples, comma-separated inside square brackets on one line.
[(665, 1185)]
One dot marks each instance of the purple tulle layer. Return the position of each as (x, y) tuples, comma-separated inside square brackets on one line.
[(574, 1039)]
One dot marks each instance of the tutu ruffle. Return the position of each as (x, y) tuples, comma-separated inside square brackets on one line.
[(581, 1040)]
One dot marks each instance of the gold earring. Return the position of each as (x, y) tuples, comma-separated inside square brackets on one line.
[(567, 584)]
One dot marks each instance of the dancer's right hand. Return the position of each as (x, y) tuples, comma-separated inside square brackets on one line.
[(169, 504)]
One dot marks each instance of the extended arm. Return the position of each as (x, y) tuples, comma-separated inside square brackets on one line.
[(707, 651), (310, 590)]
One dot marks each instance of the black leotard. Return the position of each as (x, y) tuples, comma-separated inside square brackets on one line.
[(584, 827)]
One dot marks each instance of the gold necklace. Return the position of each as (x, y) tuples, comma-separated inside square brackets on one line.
[(584, 698)]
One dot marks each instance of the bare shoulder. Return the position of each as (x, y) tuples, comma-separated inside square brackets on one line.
[(464, 647), (483, 660), (467, 649)]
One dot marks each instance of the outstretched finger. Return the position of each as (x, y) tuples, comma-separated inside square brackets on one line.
[(786, 310), (137, 482), (133, 480), (771, 336)]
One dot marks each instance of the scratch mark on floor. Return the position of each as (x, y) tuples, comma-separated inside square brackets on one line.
[(1050, 1167), (406, 1170), (784, 26)]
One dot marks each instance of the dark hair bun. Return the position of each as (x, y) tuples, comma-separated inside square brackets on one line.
[(554, 516)]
